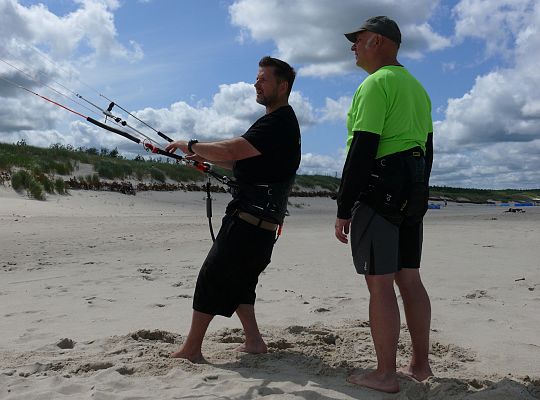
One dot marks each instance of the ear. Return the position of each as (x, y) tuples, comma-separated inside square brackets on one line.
[(374, 40), (284, 86)]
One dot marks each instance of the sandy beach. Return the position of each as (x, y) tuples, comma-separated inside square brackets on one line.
[(96, 291)]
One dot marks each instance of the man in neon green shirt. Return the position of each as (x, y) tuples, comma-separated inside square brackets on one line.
[(383, 198)]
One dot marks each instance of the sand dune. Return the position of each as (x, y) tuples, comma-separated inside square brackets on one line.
[(96, 288)]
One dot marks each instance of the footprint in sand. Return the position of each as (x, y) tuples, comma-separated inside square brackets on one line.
[(230, 335), (95, 366), (155, 335), (34, 369), (66, 343), (125, 370), (180, 296), (477, 294), (321, 310), (280, 344)]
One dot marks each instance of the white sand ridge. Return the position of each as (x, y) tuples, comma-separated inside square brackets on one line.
[(301, 359)]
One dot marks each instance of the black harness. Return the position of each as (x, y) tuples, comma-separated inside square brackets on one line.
[(265, 200), (398, 186)]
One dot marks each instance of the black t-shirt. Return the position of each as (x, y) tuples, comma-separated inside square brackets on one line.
[(277, 137)]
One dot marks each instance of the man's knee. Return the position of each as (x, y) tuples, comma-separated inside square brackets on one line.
[(380, 283), (408, 278)]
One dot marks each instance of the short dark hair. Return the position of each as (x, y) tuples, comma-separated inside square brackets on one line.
[(282, 70)]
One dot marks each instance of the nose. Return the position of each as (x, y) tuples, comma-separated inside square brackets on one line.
[(353, 47)]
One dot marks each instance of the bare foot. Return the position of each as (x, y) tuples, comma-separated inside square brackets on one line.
[(253, 348), (195, 357), (375, 380), (418, 374)]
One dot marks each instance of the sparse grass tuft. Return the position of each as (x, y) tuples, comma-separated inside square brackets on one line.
[(60, 186), (20, 180), (35, 189), (157, 174)]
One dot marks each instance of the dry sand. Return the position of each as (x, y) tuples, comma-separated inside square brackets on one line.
[(113, 275)]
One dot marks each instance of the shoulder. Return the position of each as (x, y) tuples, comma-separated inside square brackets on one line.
[(374, 83), (284, 112), (283, 116)]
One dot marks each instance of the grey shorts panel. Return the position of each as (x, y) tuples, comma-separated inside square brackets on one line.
[(374, 242)]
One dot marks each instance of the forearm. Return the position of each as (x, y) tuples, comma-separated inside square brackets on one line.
[(429, 155), (224, 151), (357, 171), (216, 152)]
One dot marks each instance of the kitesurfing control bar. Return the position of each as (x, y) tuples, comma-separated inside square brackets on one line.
[(110, 128)]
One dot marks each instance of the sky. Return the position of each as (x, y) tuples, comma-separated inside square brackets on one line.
[(187, 68)]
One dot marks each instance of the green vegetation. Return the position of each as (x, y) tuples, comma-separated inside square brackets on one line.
[(31, 169), (318, 181), (483, 195), (22, 180), (110, 169), (60, 186), (109, 164)]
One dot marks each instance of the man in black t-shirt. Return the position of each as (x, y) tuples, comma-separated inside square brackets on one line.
[(264, 161)]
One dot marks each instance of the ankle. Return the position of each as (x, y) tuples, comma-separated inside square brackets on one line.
[(386, 373)]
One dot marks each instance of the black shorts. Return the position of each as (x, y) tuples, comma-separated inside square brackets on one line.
[(229, 275), (380, 247)]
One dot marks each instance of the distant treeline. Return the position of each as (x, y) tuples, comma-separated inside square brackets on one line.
[(157, 173), (482, 195)]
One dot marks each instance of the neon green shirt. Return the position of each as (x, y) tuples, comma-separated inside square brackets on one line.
[(393, 104)]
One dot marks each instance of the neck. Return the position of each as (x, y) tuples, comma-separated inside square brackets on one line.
[(382, 62), (273, 107)]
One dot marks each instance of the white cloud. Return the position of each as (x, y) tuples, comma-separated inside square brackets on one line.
[(92, 24), (497, 22), (30, 38), (498, 165), (421, 38), (232, 111), (495, 126), (311, 32), (336, 110), (318, 164)]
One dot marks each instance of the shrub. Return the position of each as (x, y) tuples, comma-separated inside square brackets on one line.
[(112, 170), (47, 184), (20, 180), (35, 189), (114, 153), (60, 186), (64, 168), (94, 179), (139, 174), (157, 174)]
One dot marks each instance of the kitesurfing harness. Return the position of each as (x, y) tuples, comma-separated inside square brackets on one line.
[(397, 188)]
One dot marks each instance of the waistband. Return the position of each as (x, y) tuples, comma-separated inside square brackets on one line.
[(413, 151), (256, 221)]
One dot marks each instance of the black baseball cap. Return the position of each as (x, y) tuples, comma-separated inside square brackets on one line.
[(381, 25)]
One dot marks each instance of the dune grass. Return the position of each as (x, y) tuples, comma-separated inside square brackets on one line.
[(43, 166)]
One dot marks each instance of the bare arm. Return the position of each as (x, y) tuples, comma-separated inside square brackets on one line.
[(226, 150), (222, 153), (222, 164)]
